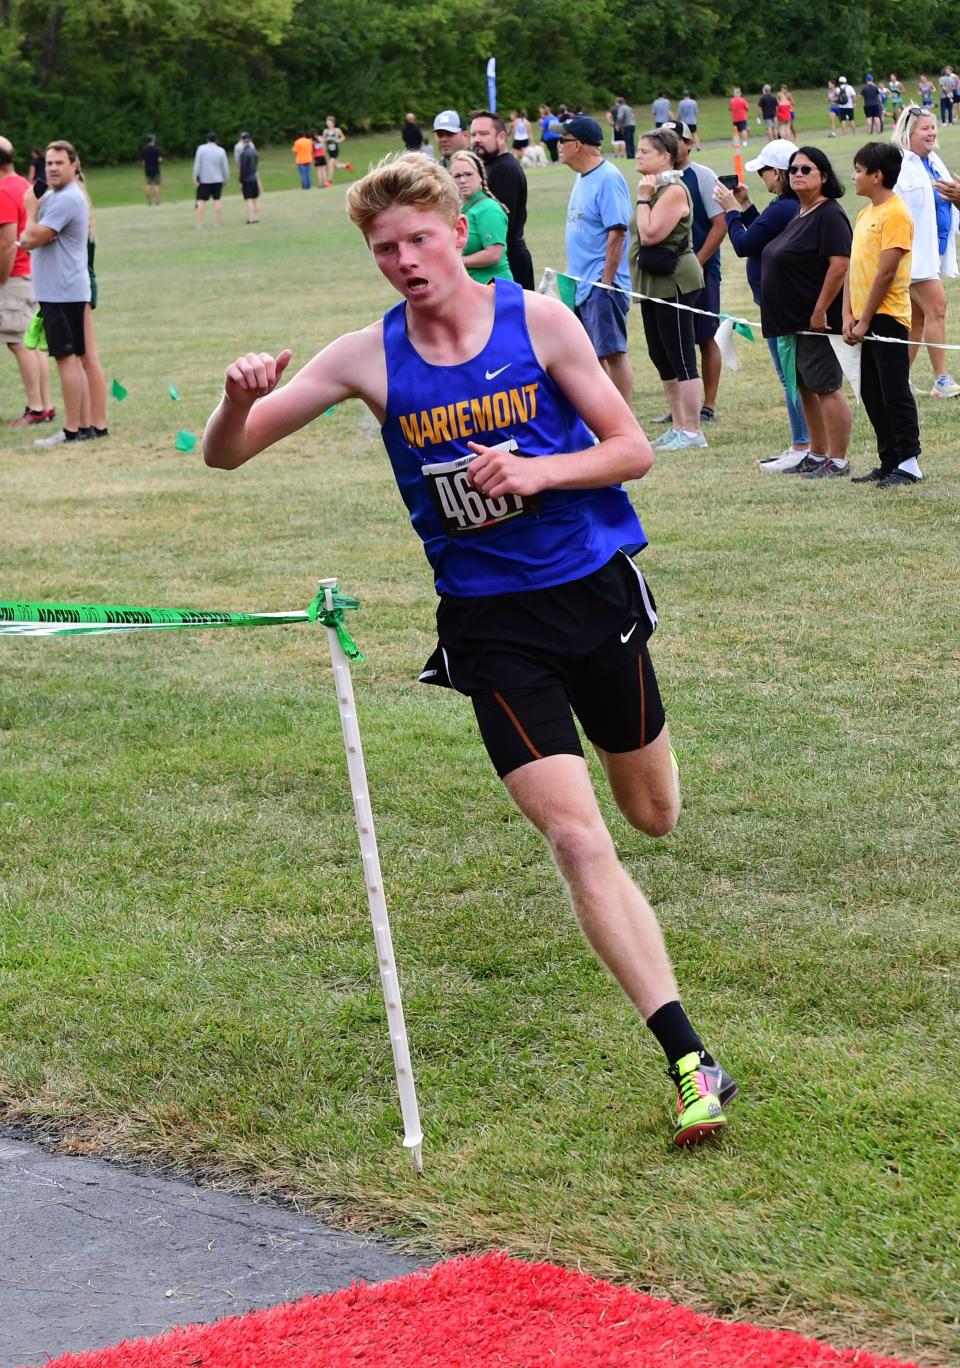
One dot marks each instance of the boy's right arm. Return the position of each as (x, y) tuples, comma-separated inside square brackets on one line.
[(253, 414)]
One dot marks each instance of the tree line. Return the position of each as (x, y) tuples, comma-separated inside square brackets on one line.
[(103, 73)]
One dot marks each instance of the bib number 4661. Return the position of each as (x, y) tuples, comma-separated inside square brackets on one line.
[(463, 508)]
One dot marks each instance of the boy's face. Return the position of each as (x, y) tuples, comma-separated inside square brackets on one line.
[(418, 251), (865, 182)]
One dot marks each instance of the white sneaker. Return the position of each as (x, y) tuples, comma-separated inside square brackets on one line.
[(784, 464), (55, 440), (945, 388), (681, 441), (660, 442)]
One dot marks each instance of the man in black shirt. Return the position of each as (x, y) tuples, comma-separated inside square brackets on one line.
[(410, 132), (505, 176), (248, 164), (151, 158), (768, 112)]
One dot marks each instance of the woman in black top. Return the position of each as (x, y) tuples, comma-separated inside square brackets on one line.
[(801, 292)]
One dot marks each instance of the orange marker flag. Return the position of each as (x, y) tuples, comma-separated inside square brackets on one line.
[(738, 167)]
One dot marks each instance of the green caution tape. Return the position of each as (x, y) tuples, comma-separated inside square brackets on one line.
[(73, 619)]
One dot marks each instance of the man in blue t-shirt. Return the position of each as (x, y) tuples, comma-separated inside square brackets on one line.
[(598, 231)]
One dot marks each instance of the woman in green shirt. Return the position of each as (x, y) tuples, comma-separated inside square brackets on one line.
[(484, 254)]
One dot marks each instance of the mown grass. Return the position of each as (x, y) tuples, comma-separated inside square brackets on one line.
[(187, 966)]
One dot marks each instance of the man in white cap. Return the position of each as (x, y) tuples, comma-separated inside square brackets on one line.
[(452, 135)]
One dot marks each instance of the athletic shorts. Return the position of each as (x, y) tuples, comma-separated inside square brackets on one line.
[(604, 316), (250, 189), (709, 298), (520, 143), (741, 125), (669, 335), (207, 190), (319, 159), (16, 308), (153, 180), (845, 115), (817, 366), (529, 661), (769, 124), (873, 111), (63, 324)]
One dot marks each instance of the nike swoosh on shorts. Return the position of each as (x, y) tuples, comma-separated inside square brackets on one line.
[(625, 636)]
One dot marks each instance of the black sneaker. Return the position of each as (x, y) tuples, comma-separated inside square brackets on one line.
[(873, 476), (809, 464), (895, 478), (829, 469), (708, 415)]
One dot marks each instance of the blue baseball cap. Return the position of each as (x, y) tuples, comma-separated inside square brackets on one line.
[(579, 126)]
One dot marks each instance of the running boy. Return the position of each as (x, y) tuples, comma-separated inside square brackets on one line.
[(529, 532), (876, 300)]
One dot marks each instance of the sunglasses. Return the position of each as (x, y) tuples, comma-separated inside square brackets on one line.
[(802, 170), (569, 139)]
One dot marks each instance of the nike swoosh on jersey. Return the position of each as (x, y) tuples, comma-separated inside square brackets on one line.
[(492, 375), (625, 636)]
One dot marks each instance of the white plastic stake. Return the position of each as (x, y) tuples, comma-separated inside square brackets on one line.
[(412, 1133)]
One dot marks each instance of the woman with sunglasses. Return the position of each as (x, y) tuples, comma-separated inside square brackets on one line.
[(801, 291), (664, 266), (484, 253), (934, 239), (750, 232)]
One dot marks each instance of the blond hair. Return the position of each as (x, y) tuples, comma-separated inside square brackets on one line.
[(409, 179)]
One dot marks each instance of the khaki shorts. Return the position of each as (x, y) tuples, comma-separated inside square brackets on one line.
[(17, 307)]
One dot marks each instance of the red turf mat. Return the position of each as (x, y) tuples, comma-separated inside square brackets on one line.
[(492, 1310)]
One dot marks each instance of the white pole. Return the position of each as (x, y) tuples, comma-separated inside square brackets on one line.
[(412, 1133)]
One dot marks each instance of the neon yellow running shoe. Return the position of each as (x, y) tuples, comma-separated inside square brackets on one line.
[(699, 1111)]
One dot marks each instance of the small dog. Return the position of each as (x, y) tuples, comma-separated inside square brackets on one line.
[(533, 155)]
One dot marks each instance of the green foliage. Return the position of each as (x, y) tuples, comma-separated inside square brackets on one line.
[(104, 73)]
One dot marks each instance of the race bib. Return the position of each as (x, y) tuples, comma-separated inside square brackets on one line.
[(461, 507)]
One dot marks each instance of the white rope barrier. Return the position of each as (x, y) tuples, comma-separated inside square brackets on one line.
[(550, 275)]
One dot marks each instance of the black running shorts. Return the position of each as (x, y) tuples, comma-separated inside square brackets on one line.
[(63, 325), (530, 661)]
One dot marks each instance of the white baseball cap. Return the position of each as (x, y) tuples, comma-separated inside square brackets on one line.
[(774, 154)]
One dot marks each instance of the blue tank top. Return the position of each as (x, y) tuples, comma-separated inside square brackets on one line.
[(501, 397)]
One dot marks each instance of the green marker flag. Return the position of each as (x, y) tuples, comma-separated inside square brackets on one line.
[(172, 391), (567, 289), (74, 619), (118, 391), (745, 330), (787, 351), (186, 441)]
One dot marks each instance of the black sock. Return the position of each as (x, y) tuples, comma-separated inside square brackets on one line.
[(101, 432), (70, 436), (671, 1025)]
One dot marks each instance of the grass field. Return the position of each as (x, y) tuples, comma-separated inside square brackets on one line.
[(187, 966)]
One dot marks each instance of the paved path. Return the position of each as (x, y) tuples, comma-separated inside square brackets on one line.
[(93, 1252)]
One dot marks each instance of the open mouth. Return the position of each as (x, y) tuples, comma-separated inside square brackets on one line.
[(416, 285)]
